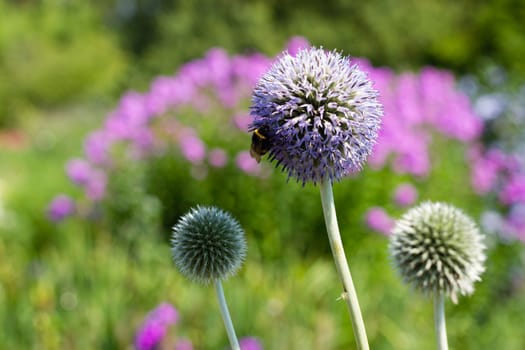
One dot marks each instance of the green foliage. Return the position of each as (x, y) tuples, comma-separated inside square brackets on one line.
[(52, 53), (461, 35), (55, 52), (131, 212)]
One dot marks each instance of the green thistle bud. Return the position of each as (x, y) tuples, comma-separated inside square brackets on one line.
[(208, 244), (438, 249)]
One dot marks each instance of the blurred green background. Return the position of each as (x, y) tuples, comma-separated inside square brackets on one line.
[(87, 284)]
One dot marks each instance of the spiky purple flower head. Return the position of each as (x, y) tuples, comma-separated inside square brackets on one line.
[(321, 112)]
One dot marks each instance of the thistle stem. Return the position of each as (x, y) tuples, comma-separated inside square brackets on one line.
[(349, 295), (226, 316), (439, 321)]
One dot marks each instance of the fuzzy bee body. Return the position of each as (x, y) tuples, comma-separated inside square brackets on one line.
[(260, 143)]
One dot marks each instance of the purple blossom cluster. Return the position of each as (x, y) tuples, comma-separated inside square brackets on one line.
[(60, 207), (416, 106), (494, 171), (152, 333), (132, 129), (155, 327)]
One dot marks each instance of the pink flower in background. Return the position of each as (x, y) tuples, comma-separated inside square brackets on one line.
[(97, 146), (157, 99), (183, 344), (142, 142), (217, 158), (414, 106), (405, 195), (250, 343), (96, 185), (296, 44), (411, 155), (514, 190), (515, 222), (242, 121), (218, 67), (408, 100), (248, 69), (378, 220), (132, 108), (246, 163), (484, 172), (192, 148), (164, 313), (79, 171), (155, 326), (149, 336), (60, 208)]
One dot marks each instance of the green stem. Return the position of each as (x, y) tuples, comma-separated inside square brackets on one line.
[(439, 321), (226, 316), (349, 295)]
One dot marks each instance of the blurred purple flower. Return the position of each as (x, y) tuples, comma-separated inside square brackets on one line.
[(157, 100), (60, 208), (405, 195), (413, 106), (218, 67), (97, 147), (95, 186), (79, 171), (378, 220), (246, 163), (150, 335), (250, 343), (248, 69), (296, 44), (132, 109), (217, 158), (164, 313), (242, 121), (192, 148), (155, 325), (183, 344), (143, 141), (515, 222), (514, 190), (484, 171)]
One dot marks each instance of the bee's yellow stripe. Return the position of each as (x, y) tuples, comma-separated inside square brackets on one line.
[(256, 132)]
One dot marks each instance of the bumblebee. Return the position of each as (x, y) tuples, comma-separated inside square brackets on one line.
[(260, 143)]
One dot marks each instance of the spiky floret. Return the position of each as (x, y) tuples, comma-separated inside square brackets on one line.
[(438, 249), (322, 112), (208, 244)]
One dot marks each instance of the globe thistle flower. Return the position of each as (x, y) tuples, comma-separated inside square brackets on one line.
[(319, 112), (208, 244), (438, 249)]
